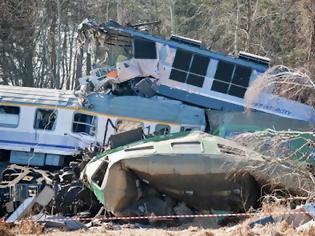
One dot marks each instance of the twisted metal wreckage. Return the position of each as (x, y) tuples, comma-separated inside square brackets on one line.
[(173, 173)]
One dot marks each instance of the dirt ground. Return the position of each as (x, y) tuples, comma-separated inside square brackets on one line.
[(272, 230), (242, 229)]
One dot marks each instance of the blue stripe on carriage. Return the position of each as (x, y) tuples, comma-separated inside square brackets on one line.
[(37, 144)]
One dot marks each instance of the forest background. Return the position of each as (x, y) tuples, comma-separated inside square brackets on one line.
[(38, 46)]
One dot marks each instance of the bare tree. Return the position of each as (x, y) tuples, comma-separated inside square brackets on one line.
[(294, 84)]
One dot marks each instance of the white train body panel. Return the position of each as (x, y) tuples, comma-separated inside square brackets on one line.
[(53, 123)]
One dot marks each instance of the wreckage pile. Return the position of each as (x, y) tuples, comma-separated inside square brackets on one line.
[(153, 175)]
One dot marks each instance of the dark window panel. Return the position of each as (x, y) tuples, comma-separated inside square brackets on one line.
[(195, 80), (224, 71), (237, 91), (82, 128), (182, 60), (219, 86), (178, 76), (242, 75), (83, 118), (200, 65), (10, 110), (144, 49), (45, 119)]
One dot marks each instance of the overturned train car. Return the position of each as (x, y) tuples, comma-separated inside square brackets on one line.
[(43, 126), (203, 171)]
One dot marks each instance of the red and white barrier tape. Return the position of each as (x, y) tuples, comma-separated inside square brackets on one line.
[(192, 216), (169, 217)]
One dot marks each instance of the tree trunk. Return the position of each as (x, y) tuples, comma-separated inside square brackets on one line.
[(249, 24), (119, 12), (58, 60), (53, 56), (173, 17), (236, 27), (312, 51), (78, 72), (88, 63), (28, 80)]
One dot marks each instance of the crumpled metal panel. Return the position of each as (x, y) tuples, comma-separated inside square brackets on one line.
[(221, 175)]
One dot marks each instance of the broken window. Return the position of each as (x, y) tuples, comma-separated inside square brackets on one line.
[(188, 129), (45, 119), (116, 54), (144, 49), (125, 125), (189, 68), (83, 123), (100, 173), (231, 79), (162, 129), (9, 116)]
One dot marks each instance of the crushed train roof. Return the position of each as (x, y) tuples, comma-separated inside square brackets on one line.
[(157, 108), (25, 95)]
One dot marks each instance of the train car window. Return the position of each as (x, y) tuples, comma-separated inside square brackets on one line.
[(99, 175), (231, 79), (183, 128), (200, 65), (83, 123), (195, 80), (179, 76), (242, 75), (9, 116), (144, 49), (125, 125), (182, 60), (237, 91), (219, 86), (162, 129), (195, 66), (224, 71), (45, 119)]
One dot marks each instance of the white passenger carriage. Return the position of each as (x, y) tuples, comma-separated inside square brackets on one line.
[(43, 126)]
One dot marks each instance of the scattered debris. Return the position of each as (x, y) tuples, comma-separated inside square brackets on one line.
[(301, 217), (58, 222), (5, 229), (22, 210)]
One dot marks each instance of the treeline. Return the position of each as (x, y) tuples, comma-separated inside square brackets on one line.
[(38, 44)]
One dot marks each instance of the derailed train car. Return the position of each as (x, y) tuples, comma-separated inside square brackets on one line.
[(44, 126), (203, 171), (182, 69)]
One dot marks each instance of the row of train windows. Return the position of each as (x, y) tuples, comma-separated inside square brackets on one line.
[(46, 119), (229, 78), (192, 68)]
